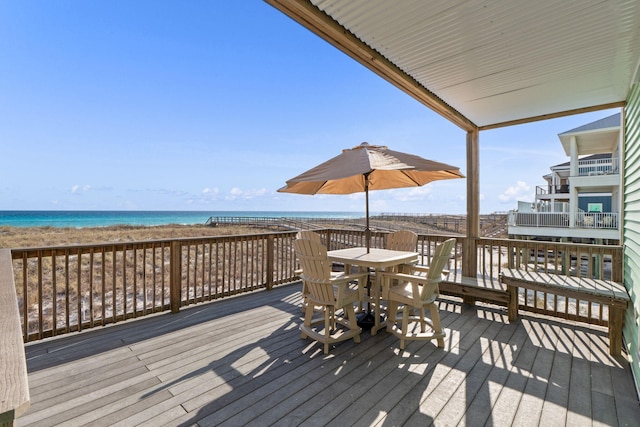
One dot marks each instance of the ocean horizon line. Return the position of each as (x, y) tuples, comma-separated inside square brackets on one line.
[(104, 218)]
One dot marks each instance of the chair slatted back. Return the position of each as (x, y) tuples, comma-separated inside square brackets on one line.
[(309, 235), (403, 240), (435, 275), (316, 270)]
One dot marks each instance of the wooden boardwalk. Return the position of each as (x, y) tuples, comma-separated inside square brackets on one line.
[(241, 362)]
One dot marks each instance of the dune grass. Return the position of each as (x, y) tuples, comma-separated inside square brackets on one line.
[(29, 237)]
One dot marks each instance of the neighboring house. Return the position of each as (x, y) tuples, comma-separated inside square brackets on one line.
[(581, 201)]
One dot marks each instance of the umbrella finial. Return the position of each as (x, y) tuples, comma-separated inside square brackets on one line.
[(358, 147), (369, 146)]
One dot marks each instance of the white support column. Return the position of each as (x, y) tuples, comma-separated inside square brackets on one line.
[(574, 156), (573, 192), (621, 167)]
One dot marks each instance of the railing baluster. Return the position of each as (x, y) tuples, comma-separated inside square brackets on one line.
[(154, 282), (54, 296), (144, 281), (40, 292), (91, 280), (175, 288), (79, 289), (66, 293), (134, 300)]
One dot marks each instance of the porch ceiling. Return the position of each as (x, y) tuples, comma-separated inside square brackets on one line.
[(488, 63), (601, 141)]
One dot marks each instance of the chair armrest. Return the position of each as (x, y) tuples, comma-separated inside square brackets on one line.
[(416, 282), (419, 268), (343, 283), (422, 280), (405, 268)]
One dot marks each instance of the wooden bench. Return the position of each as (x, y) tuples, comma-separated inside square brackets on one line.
[(472, 289), (612, 294)]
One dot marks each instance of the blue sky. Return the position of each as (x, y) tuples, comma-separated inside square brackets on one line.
[(212, 105)]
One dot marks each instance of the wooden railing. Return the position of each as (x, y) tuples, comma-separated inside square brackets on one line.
[(14, 386), (71, 288), (581, 260), (575, 259)]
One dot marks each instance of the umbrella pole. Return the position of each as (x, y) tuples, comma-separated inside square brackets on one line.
[(367, 320), (367, 230)]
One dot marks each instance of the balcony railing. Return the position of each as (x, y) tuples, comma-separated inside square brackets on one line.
[(539, 219), (552, 189), (598, 167), (606, 220), (592, 220)]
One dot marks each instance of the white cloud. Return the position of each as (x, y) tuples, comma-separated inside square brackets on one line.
[(237, 193), (77, 188), (520, 191), (417, 193), (211, 192)]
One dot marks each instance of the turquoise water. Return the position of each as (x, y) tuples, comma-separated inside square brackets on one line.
[(79, 219)]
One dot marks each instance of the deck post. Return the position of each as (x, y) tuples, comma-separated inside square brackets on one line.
[(616, 322), (617, 267), (470, 258), (175, 277)]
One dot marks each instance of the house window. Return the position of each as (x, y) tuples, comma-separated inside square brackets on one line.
[(594, 207)]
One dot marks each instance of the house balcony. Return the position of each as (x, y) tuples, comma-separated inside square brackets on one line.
[(598, 167), (217, 340), (597, 175), (551, 190), (557, 224)]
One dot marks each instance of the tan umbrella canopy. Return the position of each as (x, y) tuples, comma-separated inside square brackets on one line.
[(369, 167)]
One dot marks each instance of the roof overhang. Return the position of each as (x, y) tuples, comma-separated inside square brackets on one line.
[(602, 136), (592, 142), (492, 63)]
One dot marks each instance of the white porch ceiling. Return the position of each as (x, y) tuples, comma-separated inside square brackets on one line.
[(488, 63)]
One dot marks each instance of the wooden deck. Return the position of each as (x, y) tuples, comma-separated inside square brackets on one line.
[(241, 362)]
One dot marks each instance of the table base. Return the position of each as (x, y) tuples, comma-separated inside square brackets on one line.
[(367, 320)]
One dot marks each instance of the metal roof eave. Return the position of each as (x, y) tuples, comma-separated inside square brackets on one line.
[(321, 24)]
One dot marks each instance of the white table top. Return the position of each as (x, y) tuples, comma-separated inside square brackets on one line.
[(376, 258)]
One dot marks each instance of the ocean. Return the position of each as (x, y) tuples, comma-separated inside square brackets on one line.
[(80, 219)]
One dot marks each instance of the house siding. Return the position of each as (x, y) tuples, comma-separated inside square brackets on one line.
[(631, 227), (605, 201)]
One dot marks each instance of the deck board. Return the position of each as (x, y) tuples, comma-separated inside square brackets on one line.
[(241, 362)]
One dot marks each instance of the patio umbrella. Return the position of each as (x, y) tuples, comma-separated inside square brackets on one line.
[(369, 167)]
